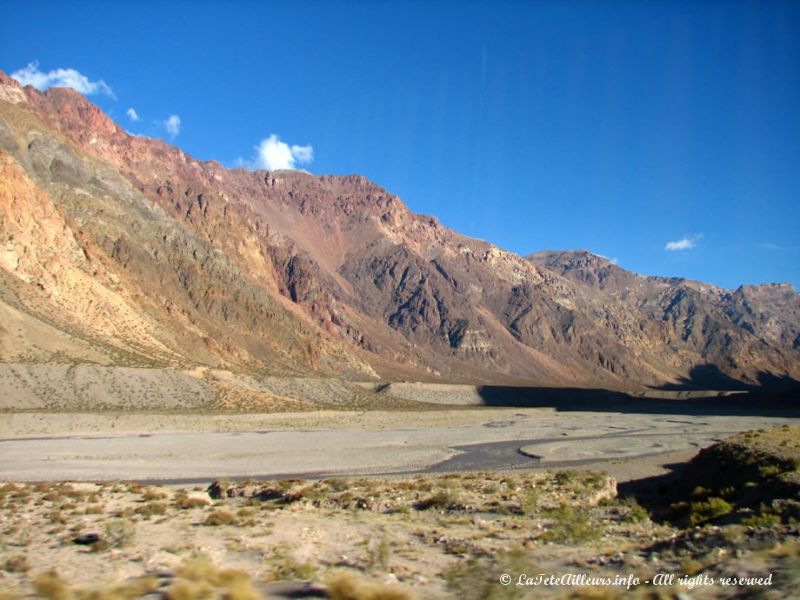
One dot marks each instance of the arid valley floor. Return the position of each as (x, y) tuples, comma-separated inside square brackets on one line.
[(433, 503)]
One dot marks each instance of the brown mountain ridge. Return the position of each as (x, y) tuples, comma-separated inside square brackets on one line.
[(124, 251)]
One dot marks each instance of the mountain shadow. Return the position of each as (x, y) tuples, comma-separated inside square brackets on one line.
[(710, 377), (747, 402)]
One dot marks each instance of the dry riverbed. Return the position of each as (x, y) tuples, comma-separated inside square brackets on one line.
[(199, 448)]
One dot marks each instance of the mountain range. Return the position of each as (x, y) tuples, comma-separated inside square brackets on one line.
[(123, 251)]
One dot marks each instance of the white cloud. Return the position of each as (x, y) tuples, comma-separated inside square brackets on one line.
[(608, 258), (132, 115), (31, 75), (770, 246), (272, 154), (685, 243), (173, 125)]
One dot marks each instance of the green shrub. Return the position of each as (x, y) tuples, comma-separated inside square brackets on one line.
[(708, 510), (569, 526), (769, 471), (530, 502), (636, 513), (564, 477), (764, 518)]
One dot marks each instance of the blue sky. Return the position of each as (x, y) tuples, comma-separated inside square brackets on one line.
[(613, 126)]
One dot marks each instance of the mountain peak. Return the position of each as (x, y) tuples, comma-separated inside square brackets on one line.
[(11, 90)]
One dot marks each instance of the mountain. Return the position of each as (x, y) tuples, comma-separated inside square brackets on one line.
[(124, 251)]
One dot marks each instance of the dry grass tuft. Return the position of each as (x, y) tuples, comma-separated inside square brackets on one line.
[(346, 586), (198, 577)]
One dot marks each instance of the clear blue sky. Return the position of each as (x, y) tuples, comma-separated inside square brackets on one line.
[(613, 126)]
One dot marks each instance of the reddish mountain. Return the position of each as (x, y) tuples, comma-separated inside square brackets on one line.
[(123, 250)]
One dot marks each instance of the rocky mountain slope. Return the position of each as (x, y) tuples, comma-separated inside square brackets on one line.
[(123, 250)]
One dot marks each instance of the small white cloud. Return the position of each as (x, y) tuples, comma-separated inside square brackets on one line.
[(272, 154), (70, 78), (132, 115), (173, 125), (686, 243), (608, 258), (770, 246)]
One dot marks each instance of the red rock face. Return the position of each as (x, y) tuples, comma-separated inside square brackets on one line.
[(288, 272)]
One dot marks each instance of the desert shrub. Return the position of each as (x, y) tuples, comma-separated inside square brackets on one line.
[(117, 533), (16, 564), (476, 578), (379, 554), (283, 565), (187, 502), (712, 508), (441, 500), (346, 586), (197, 577), (57, 516), (636, 513), (154, 494), (200, 568), (595, 480), (530, 502), (570, 526), (125, 513), (564, 477), (219, 518), (769, 471), (457, 546), (135, 488), (151, 509), (51, 585), (337, 484), (764, 518)]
